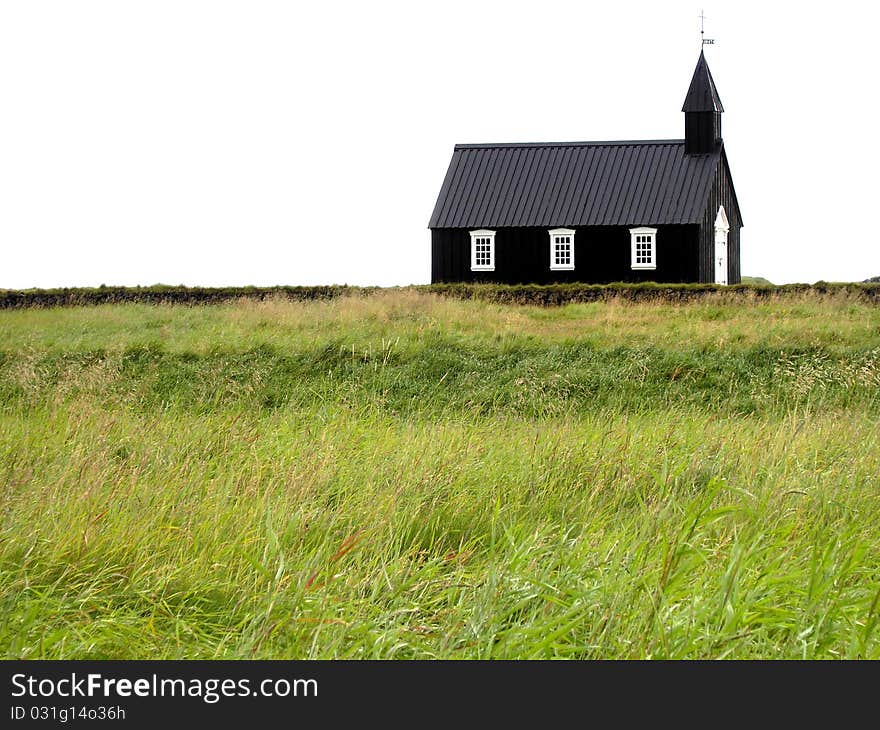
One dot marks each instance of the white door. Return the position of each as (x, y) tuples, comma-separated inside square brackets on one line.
[(721, 260), (721, 228)]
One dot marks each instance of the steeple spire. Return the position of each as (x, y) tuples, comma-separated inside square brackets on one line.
[(702, 112), (702, 96)]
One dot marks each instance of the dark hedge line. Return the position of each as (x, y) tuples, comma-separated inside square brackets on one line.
[(553, 294), (649, 292), (70, 297)]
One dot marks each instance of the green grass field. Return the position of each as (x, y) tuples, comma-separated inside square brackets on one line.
[(404, 476)]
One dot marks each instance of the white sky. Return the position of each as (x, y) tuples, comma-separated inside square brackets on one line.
[(222, 142)]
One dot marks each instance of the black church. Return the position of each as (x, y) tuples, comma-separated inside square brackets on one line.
[(593, 212)]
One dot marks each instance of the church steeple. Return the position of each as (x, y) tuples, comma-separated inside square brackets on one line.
[(702, 112)]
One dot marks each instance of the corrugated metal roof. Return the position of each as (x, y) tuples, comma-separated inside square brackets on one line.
[(702, 96), (573, 184)]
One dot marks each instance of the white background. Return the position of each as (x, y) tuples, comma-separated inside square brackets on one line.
[(222, 142)]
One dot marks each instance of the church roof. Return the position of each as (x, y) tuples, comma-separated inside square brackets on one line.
[(574, 184), (702, 96)]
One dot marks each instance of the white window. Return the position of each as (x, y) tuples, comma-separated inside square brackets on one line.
[(644, 248), (482, 250), (562, 249)]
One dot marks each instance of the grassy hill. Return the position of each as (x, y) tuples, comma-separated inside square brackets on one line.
[(406, 476)]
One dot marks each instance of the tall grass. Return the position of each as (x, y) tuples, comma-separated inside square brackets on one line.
[(410, 477)]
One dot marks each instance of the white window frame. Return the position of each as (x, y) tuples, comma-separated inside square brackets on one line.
[(482, 233), (553, 234), (635, 234)]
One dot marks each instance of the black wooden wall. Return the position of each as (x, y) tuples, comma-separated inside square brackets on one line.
[(602, 255), (721, 193), (702, 132)]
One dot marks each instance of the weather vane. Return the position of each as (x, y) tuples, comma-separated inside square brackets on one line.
[(706, 41)]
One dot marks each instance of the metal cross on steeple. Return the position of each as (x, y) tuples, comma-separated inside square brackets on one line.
[(704, 41)]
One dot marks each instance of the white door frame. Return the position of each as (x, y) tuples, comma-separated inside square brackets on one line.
[(722, 227)]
